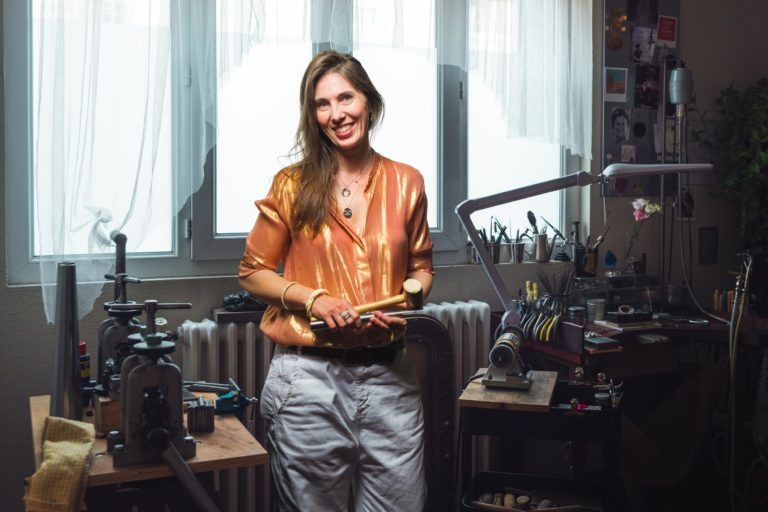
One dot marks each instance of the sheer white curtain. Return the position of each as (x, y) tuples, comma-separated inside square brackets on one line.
[(102, 95), (100, 84), (536, 55)]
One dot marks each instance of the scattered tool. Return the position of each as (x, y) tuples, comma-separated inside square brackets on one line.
[(532, 221), (598, 240), (557, 232)]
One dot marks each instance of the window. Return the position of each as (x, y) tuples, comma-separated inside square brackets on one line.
[(258, 106), (436, 120)]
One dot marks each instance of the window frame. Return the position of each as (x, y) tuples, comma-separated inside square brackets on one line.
[(196, 250), (452, 182)]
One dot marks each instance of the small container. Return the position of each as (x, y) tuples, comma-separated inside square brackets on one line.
[(578, 314), (595, 309), (518, 252), (85, 364)]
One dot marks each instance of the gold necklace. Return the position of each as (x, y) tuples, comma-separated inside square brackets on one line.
[(347, 193)]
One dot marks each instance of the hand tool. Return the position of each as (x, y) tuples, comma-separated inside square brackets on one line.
[(599, 240), (532, 220), (557, 232), (412, 296)]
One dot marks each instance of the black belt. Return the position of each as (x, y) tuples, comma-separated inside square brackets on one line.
[(362, 356)]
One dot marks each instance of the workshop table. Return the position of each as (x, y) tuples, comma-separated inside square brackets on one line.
[(534, 413), (229, 446)]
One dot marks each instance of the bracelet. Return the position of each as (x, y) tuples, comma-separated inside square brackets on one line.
[(311, 300), (393, 336), (282, 295)]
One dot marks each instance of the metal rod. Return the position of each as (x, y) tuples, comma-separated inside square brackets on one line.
[(66, 399), (188, 479)]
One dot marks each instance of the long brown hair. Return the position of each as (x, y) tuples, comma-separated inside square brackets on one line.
[(317, 162)]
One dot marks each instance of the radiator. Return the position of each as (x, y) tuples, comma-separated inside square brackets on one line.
[(233, 346), (215, 351), (469, 326)]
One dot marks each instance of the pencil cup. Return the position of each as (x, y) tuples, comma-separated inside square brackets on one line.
[(518, 252)]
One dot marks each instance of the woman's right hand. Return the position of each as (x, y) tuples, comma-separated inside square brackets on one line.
[(338, 314)]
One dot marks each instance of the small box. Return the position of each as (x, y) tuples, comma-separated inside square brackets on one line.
[(601, 343), (106, 414)]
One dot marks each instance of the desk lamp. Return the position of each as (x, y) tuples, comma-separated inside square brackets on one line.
[(510, 321)]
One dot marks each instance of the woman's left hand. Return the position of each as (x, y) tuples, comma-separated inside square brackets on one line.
[(392, 327)]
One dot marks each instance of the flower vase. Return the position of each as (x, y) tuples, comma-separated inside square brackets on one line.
[(629, 265), (633, 265)]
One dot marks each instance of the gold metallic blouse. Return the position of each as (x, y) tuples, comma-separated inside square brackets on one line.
[(362, 267)]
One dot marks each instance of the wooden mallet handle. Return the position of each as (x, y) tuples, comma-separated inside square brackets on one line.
[(412, 295)]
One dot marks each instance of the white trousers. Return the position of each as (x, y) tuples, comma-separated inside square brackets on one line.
[(332, 429)]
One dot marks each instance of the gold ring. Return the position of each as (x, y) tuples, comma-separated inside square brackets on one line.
[(345, 315)]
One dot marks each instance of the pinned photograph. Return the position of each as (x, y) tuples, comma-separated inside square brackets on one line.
[(616, 84), (628, 153), (619, 125), (647, 86), (643, 44)]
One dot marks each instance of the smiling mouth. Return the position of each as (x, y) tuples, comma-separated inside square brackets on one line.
[(342, 130)]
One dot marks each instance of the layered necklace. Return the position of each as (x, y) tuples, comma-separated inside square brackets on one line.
[(347, 193)]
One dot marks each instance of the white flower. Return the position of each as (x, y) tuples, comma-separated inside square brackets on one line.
[(652, 208)]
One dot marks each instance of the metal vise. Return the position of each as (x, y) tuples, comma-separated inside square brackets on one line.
[(150, 399)]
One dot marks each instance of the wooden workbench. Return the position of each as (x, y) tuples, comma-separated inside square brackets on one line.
[(229, 446), (522, 414), (534, 399)]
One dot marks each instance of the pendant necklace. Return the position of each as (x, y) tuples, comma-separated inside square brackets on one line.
[(347, 193)]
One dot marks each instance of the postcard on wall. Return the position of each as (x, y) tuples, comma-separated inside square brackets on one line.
[(616, 84), (666, 32), (643, 44), (628, 153)]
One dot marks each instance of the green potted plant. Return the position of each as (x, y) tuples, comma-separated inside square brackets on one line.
[(739, 152), (739, 146)]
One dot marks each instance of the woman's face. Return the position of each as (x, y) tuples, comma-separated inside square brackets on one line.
[(342, 113)]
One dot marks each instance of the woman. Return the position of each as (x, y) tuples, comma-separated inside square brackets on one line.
[(342, 406)]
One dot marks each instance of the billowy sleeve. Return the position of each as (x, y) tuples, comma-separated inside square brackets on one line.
[(269, 239)]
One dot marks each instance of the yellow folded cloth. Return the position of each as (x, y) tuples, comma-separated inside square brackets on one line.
[(59, 482)]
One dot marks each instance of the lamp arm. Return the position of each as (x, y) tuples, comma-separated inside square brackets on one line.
[(469, 206), (629, 170), (581, 178)]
